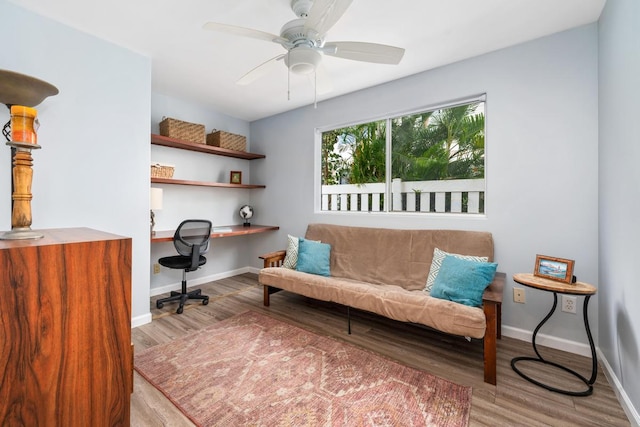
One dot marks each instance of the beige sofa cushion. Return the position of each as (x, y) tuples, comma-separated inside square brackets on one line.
[(394, 257), (387, 300)]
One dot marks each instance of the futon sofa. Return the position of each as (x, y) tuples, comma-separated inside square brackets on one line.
[(384, 271)]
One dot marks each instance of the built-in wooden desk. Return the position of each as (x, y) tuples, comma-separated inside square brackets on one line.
[(236, 230)]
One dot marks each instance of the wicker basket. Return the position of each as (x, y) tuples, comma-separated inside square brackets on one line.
[(231, 141), (185, 131), (161, 171)]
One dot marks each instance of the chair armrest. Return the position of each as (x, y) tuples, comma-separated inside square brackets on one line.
[(273, 259), (493, 293)]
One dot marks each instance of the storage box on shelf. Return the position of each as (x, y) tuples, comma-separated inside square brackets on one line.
[(159, 170), (186, 131), (220, 138)]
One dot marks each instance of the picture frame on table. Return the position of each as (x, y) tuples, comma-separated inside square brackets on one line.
[(559, 269), (235, 177)]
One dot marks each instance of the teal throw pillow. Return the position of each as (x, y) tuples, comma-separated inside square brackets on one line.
[(463, 281), (314, 257), (436, 262)]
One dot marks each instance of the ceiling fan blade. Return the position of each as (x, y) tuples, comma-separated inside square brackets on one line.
[(259, 71), (243, 32), (366, 52), (325, 13)]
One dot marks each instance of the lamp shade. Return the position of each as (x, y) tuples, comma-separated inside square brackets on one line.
[(155, 198), (20, 89)]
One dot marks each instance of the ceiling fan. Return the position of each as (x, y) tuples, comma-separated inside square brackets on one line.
[(304, 40)]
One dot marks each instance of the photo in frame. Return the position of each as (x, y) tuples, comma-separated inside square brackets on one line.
[(235, 177), (558, 269)]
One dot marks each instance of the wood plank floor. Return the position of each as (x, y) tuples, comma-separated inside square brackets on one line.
[(513, 402)]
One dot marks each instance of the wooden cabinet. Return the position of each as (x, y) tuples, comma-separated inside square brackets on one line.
[(166, 141), (65, 356)]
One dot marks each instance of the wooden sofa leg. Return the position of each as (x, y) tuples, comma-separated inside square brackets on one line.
[(266, 295), (491, 312), (268, 290)]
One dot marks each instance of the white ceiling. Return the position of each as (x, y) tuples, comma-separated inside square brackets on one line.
[(202, 66)]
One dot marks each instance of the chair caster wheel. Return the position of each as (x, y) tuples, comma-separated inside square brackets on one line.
[(159, 304), (205, 301), (179, 310)]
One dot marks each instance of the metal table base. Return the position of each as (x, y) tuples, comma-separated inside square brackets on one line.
[(594, 369)]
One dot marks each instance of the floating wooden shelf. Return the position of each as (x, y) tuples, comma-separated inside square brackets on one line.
[(202, 148), (202, 183), (236, 230)]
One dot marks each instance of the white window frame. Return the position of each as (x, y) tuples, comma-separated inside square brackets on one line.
[(317, 197)]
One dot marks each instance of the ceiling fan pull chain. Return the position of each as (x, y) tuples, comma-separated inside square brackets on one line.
[(315, 89), (288, 79)]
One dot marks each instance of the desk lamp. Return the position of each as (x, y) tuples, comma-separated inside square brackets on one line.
[(20, 93), (155, 202)]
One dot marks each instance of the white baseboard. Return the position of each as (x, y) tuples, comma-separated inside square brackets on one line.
[(253, 270), (548, 341), (583, 350), (201, 280), (616, 385), (146, 318), (141, 320)]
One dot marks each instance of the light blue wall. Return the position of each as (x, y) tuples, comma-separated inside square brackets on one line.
[(92, 170), (542, 162), (619, 188)]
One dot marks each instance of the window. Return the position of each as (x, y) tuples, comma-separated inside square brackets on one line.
[(429, 161)]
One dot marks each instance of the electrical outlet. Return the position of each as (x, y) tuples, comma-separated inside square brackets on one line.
[(156, 268), (518, 295), (569, 304)]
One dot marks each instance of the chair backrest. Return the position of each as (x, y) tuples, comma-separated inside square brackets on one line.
[(192, 235)]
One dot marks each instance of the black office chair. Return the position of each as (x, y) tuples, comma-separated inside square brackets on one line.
[(191, 240)]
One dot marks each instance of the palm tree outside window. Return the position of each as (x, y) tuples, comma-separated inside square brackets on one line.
[(431, 161)]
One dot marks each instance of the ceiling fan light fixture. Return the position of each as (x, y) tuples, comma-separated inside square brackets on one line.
[(302, 60)]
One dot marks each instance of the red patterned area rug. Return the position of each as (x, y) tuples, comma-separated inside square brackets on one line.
[(253, 370)]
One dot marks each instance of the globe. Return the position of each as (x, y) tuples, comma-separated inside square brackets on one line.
[(246, 212)]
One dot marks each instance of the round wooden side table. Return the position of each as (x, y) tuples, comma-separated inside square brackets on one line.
[(578, 288)]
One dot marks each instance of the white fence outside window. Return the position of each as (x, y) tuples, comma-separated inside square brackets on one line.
[(446, 196)]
